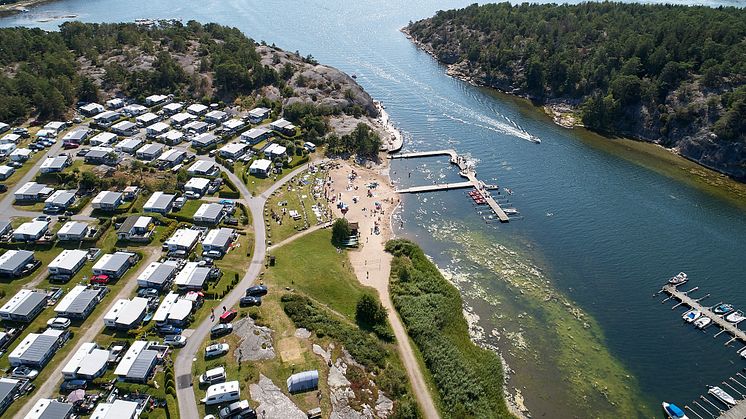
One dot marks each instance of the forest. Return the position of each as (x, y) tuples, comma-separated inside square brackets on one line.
[(42, 74), (660, 73)]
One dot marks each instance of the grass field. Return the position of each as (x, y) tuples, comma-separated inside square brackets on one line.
[(296, 195)]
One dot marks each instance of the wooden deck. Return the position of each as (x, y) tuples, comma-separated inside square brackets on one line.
[(727, 326), (736, 412), (464, 171)]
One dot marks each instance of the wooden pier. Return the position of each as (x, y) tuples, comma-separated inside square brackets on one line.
[(727, 326), (736, 412), (465, 171)]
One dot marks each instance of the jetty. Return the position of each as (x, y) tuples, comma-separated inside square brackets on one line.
[(465, 171), (726, 326)]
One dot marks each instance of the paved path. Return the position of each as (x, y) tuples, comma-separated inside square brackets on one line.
[(183, 363), (299, 235), (93, 328), (6, 204)]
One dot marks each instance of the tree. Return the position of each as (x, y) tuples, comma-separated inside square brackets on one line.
[(87, 90), (341, 231), (88, 181), (369, 312)]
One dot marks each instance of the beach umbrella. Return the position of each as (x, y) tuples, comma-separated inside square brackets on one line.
[(76, 395)]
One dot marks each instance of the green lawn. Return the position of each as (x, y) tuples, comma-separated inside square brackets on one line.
[(312, 265), (190, 207), (299, 197)]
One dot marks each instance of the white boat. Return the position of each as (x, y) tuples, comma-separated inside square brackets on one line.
[(673, 411), (691, 315), (742, 352), (702, 322), (721, 395), (678, 279), (735, 317)]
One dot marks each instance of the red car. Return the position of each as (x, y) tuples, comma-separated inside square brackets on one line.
[(228, 316), (69, 146), (100, 279)]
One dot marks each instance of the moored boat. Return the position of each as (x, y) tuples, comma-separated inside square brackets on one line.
[(721, 395), (722, 309), (735, 317), (742, 352), (702, 322), (673, 411), (691, 315), (678, 279)]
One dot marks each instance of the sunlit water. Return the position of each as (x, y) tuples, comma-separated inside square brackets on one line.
[(599, 231)]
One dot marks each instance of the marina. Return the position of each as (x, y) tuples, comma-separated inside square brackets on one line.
[(465, 170)]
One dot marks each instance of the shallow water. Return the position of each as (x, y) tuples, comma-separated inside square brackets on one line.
[(600, 230)]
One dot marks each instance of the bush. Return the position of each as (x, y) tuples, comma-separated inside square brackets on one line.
[(341, 231)]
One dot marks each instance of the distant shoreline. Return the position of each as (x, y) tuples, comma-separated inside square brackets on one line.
[(18, 7)]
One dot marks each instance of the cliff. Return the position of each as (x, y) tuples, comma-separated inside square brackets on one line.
[(597, 65)]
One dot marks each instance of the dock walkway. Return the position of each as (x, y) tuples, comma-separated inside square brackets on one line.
[(465, 171), (736, 412), (727, 326)]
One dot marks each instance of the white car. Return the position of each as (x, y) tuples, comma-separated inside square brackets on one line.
[(24, 372), (60, 323), (177, 341), (216, 350)]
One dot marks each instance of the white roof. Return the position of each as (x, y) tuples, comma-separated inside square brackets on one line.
[(192, 275), (130, 144), (68, 259), (156, 98), (158, 127), (182, 117), (154, 199), (152, 148), (124, 125), (173, 135), (103, 138), (48, 409), (32, 228), (135, 108), (222, 388), (233, 148), (118, 258), (233, 124), (17, 300), (72, 366), (129, 357), (147, 117), (7, 170), (10, 138), (201, 166), (197, 183), (21, 152), (172, 308), (120, 409), (183, 237), (218, 237), (126, 312), (105, 115), (143, 222), (171, 154), (173, 106), (21, 349), (275, 149), (258, 112), (108, 196), (260, 164), (196, 108), (211, 210), (70, 225), (216, 114)]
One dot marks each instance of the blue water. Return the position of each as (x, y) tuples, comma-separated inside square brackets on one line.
[(606, 231)]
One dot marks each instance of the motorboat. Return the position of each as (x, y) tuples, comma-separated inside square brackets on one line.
[(510, 211), (742, 352), (673, 411), (722, 309), (721, 395), (735, 317), (702, 322), (678, 279), (691, 315)]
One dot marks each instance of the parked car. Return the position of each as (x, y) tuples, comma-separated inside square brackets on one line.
[(24, 372), (250, 301), (71, 385), (212, 254), (192, 195), (43, 218), (228, 316), (100, 279), (217, 349), (70, 146), (147, 292), (82, 152), (212, 376), (3, 188), (177, 341), (221, 330), (257, 291), (239, 409), (15, 164), (61, 323), (169, 330)]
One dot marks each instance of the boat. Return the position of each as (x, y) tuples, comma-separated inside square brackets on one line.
[(722, 309), (510, 211), (691, 315), (678, 279), (702, 322), (742, 352), (735, 317), (721, 395), (673, 411)]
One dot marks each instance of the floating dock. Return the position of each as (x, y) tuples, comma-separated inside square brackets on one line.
[(465, 171)]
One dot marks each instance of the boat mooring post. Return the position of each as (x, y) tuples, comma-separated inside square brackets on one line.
[(736, 381), (712, 404), (693, 411), (703, 408), (729, 386)]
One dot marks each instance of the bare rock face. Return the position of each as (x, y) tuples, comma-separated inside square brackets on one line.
[(256, 341), (273, 403)]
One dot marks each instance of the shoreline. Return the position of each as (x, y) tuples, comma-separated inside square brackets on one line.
[(21, 7), (560, 112)]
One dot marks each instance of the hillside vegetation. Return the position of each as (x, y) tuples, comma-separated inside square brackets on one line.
[(45, 74), (469, 379), (668, 74)]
